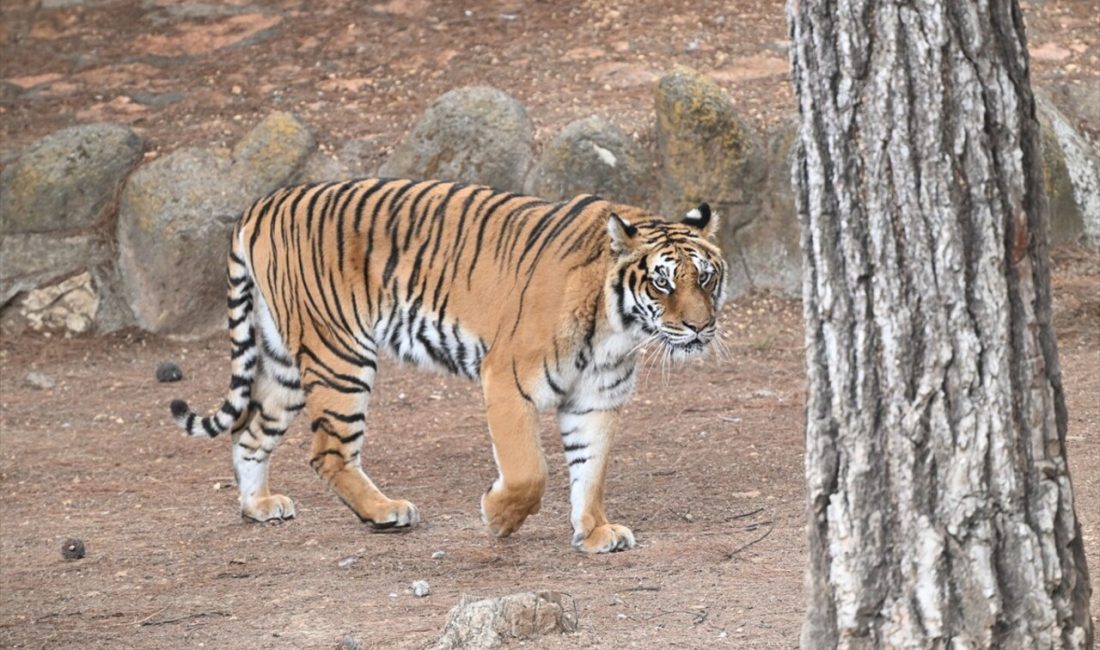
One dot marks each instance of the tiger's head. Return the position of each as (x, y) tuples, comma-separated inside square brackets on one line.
[(668, 280)]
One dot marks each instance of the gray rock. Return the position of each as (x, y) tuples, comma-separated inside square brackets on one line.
[(174, 223), (353, 160), (1081, 103), (348, 643), (39, 381), (269, 155), (475, 134), (488, 623), (421, 588), (69, 305), (592, 156), (1071, 169), (764, 253), (73, 549), (67, 180), (707, 153), (37, 270), (168, 372), (28, 261)]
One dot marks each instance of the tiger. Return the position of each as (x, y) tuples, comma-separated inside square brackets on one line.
[(545, 304)]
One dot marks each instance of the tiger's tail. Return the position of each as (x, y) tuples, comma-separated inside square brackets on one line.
[(243, 359)]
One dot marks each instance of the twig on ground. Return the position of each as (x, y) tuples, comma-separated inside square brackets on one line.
[(734, 552), (183, 618), (746, 514)]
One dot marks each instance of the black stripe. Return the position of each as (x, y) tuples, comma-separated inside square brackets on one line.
[(342, 417), (293, 384), (566, 220), (550, 380), (522, 393), (233, 303), (504, 198)]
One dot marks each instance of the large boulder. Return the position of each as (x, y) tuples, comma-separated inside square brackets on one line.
[(36, 277), (271, 153), (475, 134), (764, 253), (707, 153), (355, 159), (174, 225), (67, 180), (1071, 170), (592, 156), (176, 217)]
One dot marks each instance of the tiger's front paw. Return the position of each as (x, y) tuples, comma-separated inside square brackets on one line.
[(504, 510), (396, 514), (275, 507), (607, 538)]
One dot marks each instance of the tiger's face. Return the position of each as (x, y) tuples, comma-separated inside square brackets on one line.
[(669, 279)]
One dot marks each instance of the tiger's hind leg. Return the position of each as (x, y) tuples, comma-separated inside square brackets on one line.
[(277, 398), (338, 387)]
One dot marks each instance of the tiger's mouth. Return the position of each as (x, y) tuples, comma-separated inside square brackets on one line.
[(687, 345)]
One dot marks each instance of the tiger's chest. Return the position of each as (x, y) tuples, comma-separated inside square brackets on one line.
[(596, 378)]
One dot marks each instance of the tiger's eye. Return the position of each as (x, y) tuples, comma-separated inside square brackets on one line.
[(661, 283)]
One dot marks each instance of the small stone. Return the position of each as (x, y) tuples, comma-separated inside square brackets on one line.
[(438, 555), (347, 562), (421, 588), (72, 549), (40, 381), (348, 643), (168, 372)]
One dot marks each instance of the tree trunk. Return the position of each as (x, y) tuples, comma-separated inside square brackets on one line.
[(941, 510)]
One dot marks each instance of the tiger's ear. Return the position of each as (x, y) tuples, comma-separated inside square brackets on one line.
[(702, 220), (623, 234)]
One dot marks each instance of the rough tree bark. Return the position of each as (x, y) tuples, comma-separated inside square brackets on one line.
[(941, 510)]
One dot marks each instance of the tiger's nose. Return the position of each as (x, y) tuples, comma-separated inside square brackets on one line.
[(697, 325)]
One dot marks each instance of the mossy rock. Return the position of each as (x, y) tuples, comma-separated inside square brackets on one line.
[(707, 153), (269, 155), (175, 220), (68, 180), (593, 156), (475, 134)]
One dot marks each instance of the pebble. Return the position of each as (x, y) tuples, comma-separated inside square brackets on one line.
[(421, 588), (39, 380), (349, 643), (438, 555), (168, 372), (72, 549)]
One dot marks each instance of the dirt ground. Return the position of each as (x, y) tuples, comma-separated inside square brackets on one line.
[(708, 472)]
